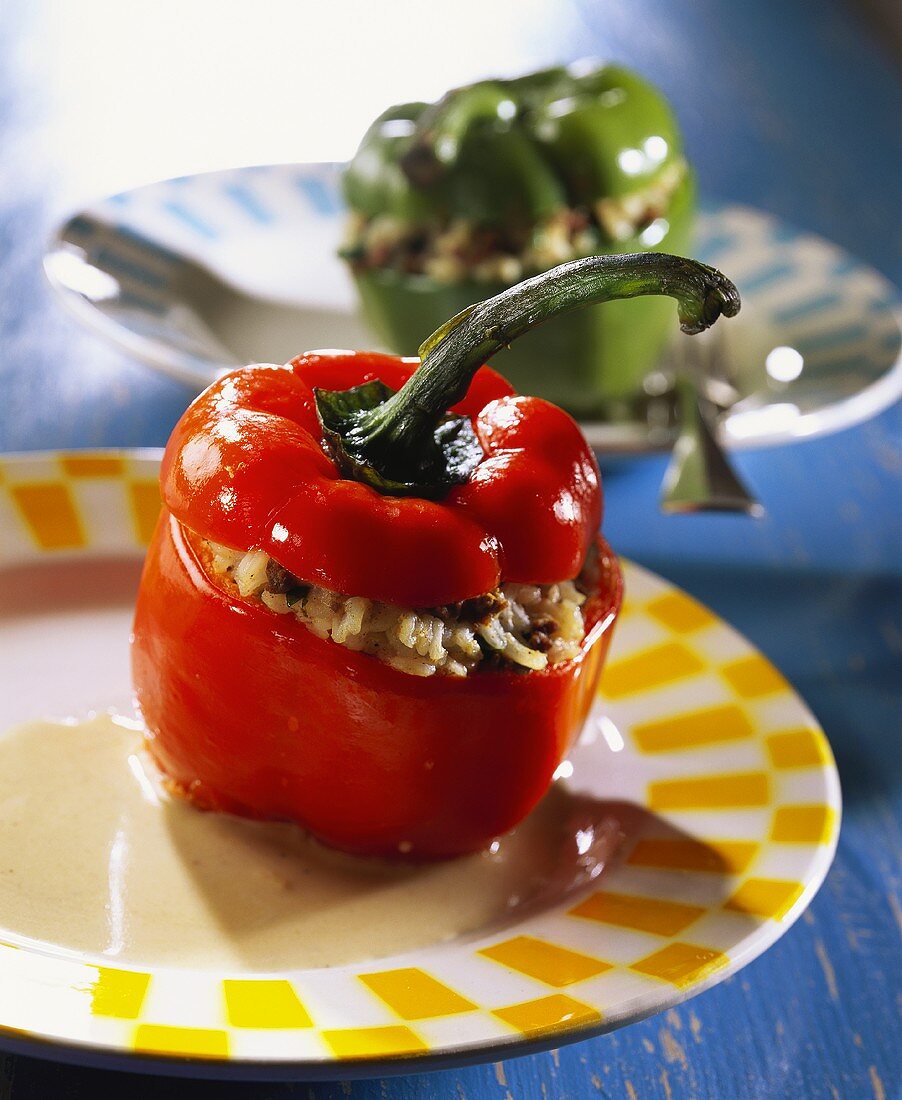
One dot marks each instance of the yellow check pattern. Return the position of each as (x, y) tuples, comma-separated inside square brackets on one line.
[(741, 813), (62, 503)]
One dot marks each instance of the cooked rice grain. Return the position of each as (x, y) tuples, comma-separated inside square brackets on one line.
[(460, 249), (527, 626)]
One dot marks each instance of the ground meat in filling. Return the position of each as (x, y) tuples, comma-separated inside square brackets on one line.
[(522, 626), (460, 250)]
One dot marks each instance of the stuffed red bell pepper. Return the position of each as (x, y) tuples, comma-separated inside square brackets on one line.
[(376, 602)]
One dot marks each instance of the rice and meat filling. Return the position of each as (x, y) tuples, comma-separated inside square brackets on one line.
[(461, 250), (521, 626)]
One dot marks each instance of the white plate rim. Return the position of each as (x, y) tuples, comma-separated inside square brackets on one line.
[(144, 462)]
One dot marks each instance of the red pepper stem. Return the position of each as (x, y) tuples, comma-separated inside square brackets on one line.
[(394, 435)]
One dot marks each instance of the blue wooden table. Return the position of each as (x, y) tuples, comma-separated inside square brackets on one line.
[(789, 106)]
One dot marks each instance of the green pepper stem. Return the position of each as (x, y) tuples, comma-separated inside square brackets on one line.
[(395, 435)]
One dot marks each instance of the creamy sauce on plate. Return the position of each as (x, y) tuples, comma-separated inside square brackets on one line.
[(95, 857)]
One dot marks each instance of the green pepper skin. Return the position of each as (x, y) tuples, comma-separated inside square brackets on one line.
[(583, 361), (374, 182), (502, 179), (610, 134), (500, 175), (507, 155)]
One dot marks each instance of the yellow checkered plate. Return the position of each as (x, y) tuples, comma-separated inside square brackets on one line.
[(718, 774)]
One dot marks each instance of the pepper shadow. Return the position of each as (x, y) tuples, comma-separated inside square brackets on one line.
[(278, 900)]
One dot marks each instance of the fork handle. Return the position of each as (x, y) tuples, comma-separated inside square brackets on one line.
[(699, 477)]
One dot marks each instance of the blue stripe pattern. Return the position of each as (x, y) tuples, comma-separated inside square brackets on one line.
[(245, 198), (845, 266), (836, 337), (766, 276), (321, 197), (810, 306), (188, 218), (781, 233), (717, 245)]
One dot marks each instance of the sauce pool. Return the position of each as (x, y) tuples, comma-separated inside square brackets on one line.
[(95, 857)]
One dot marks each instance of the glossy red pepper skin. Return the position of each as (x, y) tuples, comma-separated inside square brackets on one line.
[(248, 711), (251, 713), (245, 467)]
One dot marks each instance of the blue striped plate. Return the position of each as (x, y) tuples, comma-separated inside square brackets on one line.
[(203, 273)]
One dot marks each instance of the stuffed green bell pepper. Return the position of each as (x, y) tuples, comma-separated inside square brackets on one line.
[(455, 200)]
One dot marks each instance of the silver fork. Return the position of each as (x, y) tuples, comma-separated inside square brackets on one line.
[(699, 477)]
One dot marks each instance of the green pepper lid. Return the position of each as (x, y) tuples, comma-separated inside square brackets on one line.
[(472, 144), (509, 153), (609, 134), (374, 182), (502, 180)]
